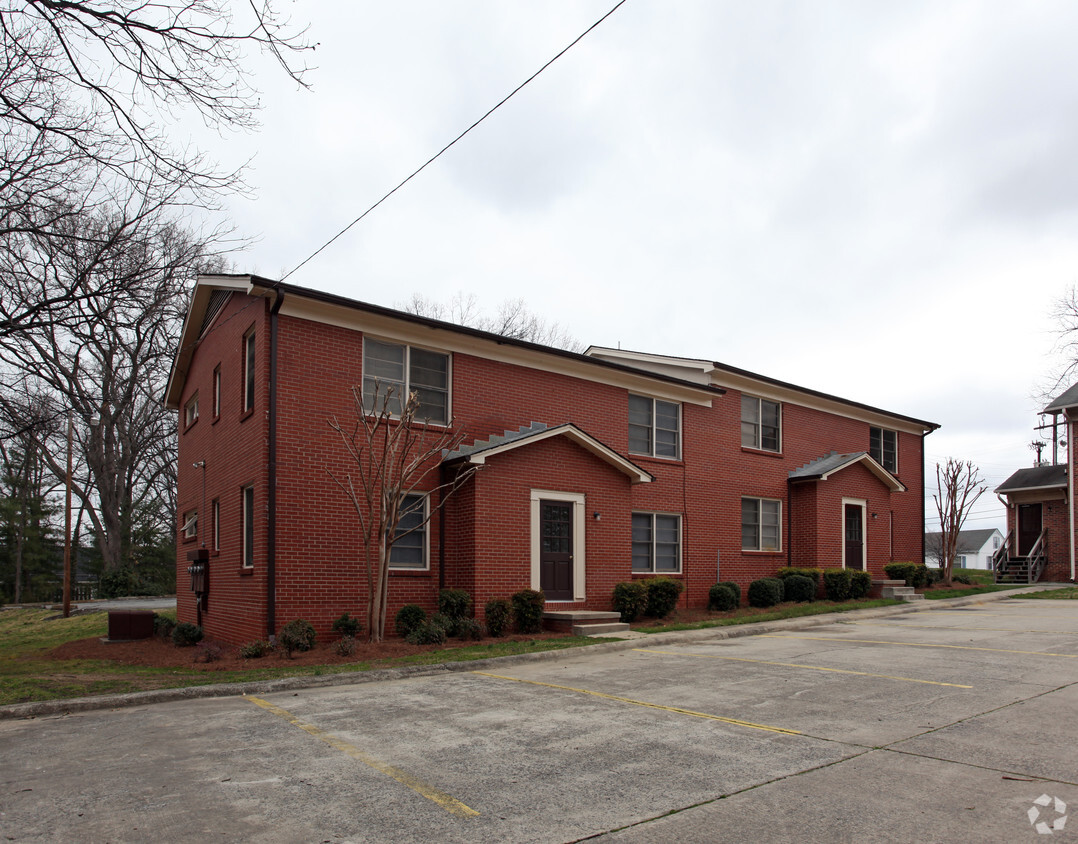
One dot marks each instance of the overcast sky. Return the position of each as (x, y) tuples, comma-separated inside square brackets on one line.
[(876, 200)]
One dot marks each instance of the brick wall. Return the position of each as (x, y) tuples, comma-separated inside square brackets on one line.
[(321, 569)]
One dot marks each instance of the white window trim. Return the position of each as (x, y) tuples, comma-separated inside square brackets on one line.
[(760, 425), (579, 502), (782, 538), (426, 536), (680, 542), (407, 374), (190, 410), (863, 504)]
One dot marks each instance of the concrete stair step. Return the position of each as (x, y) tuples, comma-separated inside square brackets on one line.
[(600, 629)]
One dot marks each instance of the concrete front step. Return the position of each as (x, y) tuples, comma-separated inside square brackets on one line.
[(568, 621), (600, 629), (905, 593)]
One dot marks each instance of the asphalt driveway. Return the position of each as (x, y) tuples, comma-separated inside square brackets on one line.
[(943, 724)]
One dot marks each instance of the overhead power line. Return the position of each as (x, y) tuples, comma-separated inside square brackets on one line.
[(438, 154)]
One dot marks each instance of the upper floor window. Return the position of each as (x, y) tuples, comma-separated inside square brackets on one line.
[(217, 391), (190, 411), (654, 427), (409, 549), (247, 518), (397, 370), (761, 520), (249, 372), (656, 540), (760, 424), (883, 446)]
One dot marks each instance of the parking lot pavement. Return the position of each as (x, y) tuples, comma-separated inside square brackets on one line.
[(933, 725)]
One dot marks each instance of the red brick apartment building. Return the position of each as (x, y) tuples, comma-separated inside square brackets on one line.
[(1041, 529), (643, 464)]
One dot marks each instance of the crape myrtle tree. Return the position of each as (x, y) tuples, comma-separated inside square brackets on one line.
[(393, 453), (89, 92), (106, 369), (958, 486)]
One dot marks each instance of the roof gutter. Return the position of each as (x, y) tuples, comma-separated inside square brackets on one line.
[(271, 479)]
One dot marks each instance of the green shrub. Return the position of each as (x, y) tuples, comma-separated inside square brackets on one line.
[(163, 625), (836, 584), (789, 571), (469, 628), (721, 597), (962, 578), (663, 594), (920, 576), (186, 634), (528, 610), (118, 583), (345, 646), (498, 614), (766, 592), (860, 584), (347, 626), (428, 632), (631, 599), (901, 571), (297, 635), (798, 588), (256, 649), (734, 587), (408, 618), (455, 603), (932, 576)]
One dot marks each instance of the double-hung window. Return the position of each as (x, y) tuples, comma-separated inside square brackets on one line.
[(654, 427), (761, 520), (190, 411), (392, 371), (883, 446), (409, 549), (190, 524), (760, 424), (656, 539)]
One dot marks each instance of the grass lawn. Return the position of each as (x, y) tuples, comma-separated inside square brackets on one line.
[(1067, 593), (936, 594)]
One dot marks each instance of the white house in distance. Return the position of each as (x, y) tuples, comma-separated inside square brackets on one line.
[(975, 548)]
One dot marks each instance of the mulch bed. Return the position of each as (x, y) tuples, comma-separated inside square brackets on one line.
[(159, 653)]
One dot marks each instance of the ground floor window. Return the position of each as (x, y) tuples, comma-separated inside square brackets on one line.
[(761, 520), (656, 541), (409, 549), (247, 496)]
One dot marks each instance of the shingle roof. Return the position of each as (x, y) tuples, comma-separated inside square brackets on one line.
[(821, 468), (1037, 477), (1068, 398), (969, 541)]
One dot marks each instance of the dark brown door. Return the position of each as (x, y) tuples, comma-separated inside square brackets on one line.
[(1029, 527), (855, 538), (556, 550)]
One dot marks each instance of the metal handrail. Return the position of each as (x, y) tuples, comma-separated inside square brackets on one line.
[(1037, 557)]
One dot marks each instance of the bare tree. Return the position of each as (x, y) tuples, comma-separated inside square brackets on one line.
[(108, 366), (392, 456), (512, 319), (87, 93), (958, 486)]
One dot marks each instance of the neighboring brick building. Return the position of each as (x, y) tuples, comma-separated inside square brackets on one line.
[(1040, 505), (641, 464)]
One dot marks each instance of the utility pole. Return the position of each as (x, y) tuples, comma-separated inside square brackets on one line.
[(67, 519)]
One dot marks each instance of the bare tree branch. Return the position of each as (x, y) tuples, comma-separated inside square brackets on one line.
[(958, 486)]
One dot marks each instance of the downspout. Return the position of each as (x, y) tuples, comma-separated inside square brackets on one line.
[(1070, 487), (441, 528), (271, 479), (923, 475)]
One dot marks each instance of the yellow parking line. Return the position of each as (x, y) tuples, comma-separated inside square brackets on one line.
[(450, 804), (916, 645), (678, 710), (808, 667)]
